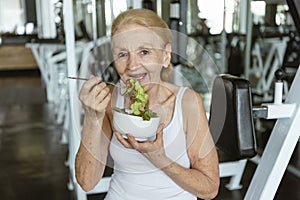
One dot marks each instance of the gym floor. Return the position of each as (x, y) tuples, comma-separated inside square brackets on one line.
[(32, 159)]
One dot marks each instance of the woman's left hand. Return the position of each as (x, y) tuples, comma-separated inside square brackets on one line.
[(154, 151)]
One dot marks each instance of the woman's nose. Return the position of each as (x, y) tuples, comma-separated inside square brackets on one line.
[(133, 61)]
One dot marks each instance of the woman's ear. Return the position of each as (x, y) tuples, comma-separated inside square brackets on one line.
[(167, 55)]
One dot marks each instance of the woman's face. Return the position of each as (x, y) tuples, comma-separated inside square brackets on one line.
[(139, 53)]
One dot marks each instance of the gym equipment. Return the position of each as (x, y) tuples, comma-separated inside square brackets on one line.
[(232, 129), (231, 121), (280, 146), (231, 125), (285, 134)]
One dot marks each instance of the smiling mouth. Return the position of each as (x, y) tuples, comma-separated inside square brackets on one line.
[(138, 77)]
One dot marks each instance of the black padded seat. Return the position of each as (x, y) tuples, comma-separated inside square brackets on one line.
[(231, 122)]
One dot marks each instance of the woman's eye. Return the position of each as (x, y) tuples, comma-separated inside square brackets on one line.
[(144, 52), (122, 54)]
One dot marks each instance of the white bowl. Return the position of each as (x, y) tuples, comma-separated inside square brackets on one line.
[(141, 129)]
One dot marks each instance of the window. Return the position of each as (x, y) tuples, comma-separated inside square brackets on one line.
[(12, 16), (214, 11)]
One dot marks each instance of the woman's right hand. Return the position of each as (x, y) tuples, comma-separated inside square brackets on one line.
[(94, 96)]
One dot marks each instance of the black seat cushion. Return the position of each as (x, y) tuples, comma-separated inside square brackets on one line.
[(231, 121)]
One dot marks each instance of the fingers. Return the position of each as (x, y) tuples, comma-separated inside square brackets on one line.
[(143, 147), (135, 144), (100, 99), (130, 142), (160, 129), (88, 86), (91, 83), (95, 94), (123, 140)]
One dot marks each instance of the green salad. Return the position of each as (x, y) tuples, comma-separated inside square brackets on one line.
[(140, 106)]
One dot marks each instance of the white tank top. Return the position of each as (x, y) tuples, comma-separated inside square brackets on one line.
[(136, 178)]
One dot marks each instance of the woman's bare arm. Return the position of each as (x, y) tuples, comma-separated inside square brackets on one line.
[(91, 157), (202, 179), (96, 133)]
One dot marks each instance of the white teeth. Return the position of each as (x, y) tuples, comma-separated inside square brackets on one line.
[(139, 77)]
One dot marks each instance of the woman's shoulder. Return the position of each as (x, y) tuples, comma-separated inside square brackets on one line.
[(191, 102), (191, 96)]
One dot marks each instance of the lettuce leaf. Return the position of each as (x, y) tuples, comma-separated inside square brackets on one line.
[(140, 105)]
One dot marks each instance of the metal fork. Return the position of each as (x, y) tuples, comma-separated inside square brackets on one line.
[(85, 79)]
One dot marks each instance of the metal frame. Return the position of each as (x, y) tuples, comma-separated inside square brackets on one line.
[(266, 69), (235, 170), (279, 148), (45, 19), (75, 109), (42, 54), (294, 6)]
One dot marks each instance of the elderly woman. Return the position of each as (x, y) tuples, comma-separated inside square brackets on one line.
[(181, 163)]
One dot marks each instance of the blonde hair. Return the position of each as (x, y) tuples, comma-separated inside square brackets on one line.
[(149, 19)]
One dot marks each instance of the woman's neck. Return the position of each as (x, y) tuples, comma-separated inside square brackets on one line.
[(159, 93)]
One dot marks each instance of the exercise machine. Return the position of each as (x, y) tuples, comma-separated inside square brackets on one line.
[(240, 142)]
